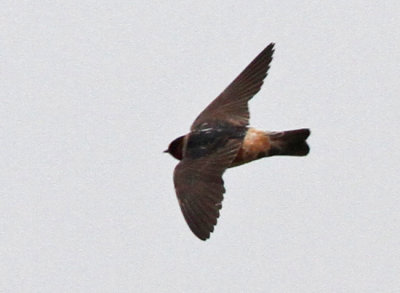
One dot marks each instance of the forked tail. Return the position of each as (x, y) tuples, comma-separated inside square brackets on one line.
[(289, 143)]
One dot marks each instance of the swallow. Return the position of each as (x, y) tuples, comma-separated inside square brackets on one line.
[(220, 138)]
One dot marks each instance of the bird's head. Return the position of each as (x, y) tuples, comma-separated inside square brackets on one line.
[(175, 148)]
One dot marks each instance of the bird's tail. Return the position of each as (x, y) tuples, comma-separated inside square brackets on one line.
[(289, 143)]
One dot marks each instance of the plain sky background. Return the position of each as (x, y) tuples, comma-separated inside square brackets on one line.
[(92, 92)]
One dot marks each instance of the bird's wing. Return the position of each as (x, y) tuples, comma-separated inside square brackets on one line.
[(231, 104), (200, 188)]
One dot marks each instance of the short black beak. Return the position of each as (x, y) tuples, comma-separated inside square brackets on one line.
[(166, 151)]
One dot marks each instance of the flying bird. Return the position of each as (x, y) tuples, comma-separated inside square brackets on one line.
[(220, 138)]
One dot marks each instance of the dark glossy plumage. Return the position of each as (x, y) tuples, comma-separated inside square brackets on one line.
[(219, 139)]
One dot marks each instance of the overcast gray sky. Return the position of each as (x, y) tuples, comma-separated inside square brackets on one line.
[(93, 91)]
